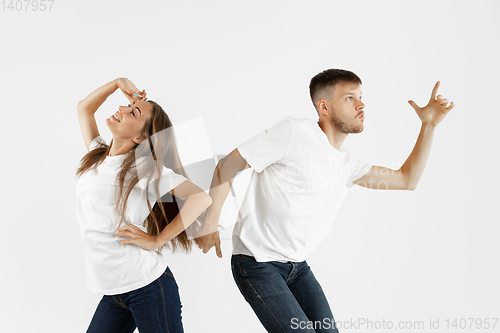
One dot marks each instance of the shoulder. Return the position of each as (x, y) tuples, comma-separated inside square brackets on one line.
[(295, 122), (300, 124), (300, 121)]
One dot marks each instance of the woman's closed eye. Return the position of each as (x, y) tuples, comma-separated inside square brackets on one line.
[(132, 112)]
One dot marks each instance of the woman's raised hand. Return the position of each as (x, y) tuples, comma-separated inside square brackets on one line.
[(130, 90)]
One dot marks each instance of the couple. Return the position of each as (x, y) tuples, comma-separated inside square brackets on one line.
[(300, 177)]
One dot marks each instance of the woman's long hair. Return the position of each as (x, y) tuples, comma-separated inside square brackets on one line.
[(158, 149)]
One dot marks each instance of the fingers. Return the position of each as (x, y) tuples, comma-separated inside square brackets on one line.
[(130, 97), (131, 231), (441, 100), (434, 91), (218, 251), (414, 105), (451, 106), (207, 248), (444, 102), (205, 243), (140, 95), (134, 95)]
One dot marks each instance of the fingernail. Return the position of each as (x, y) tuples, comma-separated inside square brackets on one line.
[(136, 95), (113, 234), (117, 240)]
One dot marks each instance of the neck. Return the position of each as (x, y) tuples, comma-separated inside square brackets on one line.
[(334, 135), (119, 147)]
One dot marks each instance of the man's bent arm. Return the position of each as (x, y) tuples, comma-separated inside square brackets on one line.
[(414, 166), (408, 176), (222, 180)]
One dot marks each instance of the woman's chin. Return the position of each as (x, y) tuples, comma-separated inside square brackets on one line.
[(107, 121)]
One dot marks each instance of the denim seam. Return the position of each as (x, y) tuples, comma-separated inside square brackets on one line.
[(237, 283), (119, 301), (164, 309), (292, 273), (257, 294), (248, 281)]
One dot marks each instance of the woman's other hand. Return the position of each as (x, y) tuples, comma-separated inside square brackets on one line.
[(137, 237), (130, 90)]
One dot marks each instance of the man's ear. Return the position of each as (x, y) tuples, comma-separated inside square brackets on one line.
[(322, 107)]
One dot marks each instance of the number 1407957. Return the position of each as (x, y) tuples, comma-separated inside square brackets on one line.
[(27, 5)]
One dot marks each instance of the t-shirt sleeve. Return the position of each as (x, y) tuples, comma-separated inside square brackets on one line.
[(357, 168), (168, 181), (94, 144), (269, 146)]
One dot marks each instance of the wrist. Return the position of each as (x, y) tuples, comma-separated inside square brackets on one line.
[(428, 125), (116, 83), (158, 242)]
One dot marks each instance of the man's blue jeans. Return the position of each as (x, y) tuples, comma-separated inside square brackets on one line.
[(286, 297), (152, 308)]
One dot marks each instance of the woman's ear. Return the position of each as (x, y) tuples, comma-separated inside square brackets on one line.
[(138, 139)]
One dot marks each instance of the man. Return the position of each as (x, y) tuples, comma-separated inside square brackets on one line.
[(300, 177)]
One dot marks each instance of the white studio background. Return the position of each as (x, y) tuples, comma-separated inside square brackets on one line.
[(242, 66)]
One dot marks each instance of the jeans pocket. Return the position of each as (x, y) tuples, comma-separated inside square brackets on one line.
[(249, 266)]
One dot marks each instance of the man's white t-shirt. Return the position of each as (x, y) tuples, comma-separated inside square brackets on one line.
[(298, 183), (113, 268)]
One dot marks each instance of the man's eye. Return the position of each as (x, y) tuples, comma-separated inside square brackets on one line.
[(129, 105), (349, 97)]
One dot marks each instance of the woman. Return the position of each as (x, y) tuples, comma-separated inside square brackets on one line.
[(122, 234)]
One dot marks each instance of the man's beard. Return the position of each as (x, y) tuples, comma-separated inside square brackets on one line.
[(343, 127)]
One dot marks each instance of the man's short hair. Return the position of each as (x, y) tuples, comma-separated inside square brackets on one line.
[(329, 78)]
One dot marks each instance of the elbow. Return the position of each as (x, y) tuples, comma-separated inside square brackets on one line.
[(80, 106), (198, 202), (411, 187), (408, 183), (207, 200), (203, 200)]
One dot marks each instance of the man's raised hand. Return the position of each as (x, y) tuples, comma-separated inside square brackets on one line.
[(435, 111)]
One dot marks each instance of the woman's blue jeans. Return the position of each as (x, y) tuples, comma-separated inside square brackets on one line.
[(286, 297), (152, 308)]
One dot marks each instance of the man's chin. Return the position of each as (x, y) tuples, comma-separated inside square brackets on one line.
[(356, 130)]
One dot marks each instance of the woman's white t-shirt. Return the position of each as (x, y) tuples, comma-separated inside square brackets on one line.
[(113, 268), (298, 183)]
